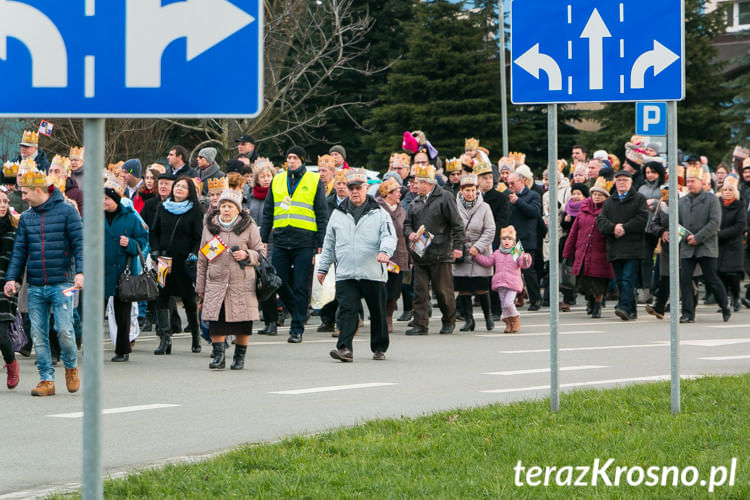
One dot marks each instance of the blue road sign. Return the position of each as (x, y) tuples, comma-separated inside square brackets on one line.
[(131, 58), (651, 118), (594, 51)]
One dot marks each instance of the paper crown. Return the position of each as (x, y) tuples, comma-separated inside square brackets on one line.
[(561, 164), (198, 185), (471, 144), (602, 186), (116, 168), (506, 163), (469, 180), (326, 161), (401, 158), (508, 231), (33, 179), (76, 153), (63, 162), (387, 186), (217, 185), (453, 165), (740, 152), (10, 168), (30, 138), (26, 166), (482, 168), (517, 158), (665, 192), (58, 182), (340, 176), (731, 180), (356, 175), (112, 182), (424, 172), (262, 161), (694, 173)]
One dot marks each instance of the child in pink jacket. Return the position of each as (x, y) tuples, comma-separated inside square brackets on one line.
[(507, 278)]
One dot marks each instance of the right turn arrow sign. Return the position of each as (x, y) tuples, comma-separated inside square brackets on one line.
[(660, 58)]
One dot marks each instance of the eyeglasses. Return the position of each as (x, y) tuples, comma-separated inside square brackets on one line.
[(180, 186)]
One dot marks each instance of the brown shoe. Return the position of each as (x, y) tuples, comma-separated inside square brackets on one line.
[(72, 382), (508, 325), (378, 356), (516, 323), (344, 355), (44, 388)]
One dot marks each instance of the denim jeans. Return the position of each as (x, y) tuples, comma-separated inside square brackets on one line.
[(626, 274), (42, 300)]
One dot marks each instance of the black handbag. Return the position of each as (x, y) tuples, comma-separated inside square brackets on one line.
[(567, 278), (141, 288), (267, 282)]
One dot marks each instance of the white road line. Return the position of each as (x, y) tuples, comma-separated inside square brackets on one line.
[(593, 348), (536, 334), (88, 76), (331, 388), (587, 323), (714, 342), (546, 370), (726, 358), (581, 384), (316, 341), (112, 411), (744, 325)]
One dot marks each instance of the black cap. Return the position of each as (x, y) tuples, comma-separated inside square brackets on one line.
[(167, 176), (621, 173), (245, 138), (235, 166), (693, 158)]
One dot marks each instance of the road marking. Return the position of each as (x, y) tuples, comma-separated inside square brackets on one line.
[(594, 348), (726, 358), (112, 411), (88, 76), (745, 325), (714, 342), (546, 370), (655, 378), (316, 341), (536, 334), (587, 323), (331, 388)]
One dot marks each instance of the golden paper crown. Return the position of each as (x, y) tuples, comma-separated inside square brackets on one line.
[(326, 161), (517, 158), (731, 180), (453, 165), (198, 185), (501, 187), (401, 158), (116, 168), (482, 168), (76, 153), (33, 179), (561, 164), (388, 185), (508, 231), (10, 168), (26, 166), (469, 180), (217, 185), (424, 172), (340, 176), (58, 182), (112, 182), (262, 161), (63, 162), (30, 138), (694, 173), (602, 185), (471, 144)]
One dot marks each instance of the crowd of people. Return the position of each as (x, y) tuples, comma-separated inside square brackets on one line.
[(459, 230)]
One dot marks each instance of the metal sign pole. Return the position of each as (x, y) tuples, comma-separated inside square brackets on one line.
[(674, 257), (93, 305), (554, 290), (503, 84)]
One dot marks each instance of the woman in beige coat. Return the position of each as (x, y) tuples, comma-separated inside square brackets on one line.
[(225, 282)]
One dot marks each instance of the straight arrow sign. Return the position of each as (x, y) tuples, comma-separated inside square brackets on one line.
[(596, 30)]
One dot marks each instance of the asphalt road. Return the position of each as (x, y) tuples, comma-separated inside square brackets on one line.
[(160, 409)]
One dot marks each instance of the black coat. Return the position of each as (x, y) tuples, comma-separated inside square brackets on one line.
[(7, 233), (439, 215), (731, 233), (500, 206), (148, 213), (187, 229), (632, 212), (524, 214), (185, 170)]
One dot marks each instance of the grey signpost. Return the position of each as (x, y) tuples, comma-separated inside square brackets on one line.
[(591, 51)]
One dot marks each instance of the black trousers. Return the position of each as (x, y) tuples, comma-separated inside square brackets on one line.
[(188, 301), (270, 313), (122, 318), (328, 312), (731, 281), (710, 276), (350, 294), (441, 276), (5, 344), (532, 284)]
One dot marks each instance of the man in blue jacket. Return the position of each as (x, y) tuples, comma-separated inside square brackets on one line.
[(525, 209), (49, 245)]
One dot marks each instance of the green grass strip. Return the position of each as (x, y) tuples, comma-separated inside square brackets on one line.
[(471, 453)]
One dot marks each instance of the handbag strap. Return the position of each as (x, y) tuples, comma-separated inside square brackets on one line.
[(177, 222)]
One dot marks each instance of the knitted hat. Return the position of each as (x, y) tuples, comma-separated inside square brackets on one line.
[(232, 197), (581, 169), (209, 154), (298, 152), (508, 231), (134, 167), (580, 186), (525, 172), (394, 176), (338, 148), (601, 155), (235, 166)]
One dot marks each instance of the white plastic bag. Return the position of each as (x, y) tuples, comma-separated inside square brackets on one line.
[(325, 293), (134, 328)]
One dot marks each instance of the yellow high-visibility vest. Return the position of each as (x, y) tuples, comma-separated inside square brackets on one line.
[(299, 212)]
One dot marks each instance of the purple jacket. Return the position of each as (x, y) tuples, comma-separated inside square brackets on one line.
[(587, 245), (507, 271)]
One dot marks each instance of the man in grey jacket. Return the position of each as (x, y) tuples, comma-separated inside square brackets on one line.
[(700, 214), (360, 240)]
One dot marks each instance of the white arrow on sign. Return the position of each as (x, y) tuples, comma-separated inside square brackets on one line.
[(49, 57), (150, 28), (660, 58), (532, 61), (595, 31)]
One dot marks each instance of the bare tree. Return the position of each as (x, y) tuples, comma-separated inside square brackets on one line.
[(307, 45)]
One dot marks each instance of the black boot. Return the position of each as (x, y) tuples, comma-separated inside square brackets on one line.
[(484, 301), (196, 334), (271, 328), (218, 362), (238, 363), (596, 309), (406, 315), (263, 330), (469, 323), (165, 332)]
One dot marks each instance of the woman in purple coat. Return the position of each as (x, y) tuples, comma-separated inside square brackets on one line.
[(587, 248)]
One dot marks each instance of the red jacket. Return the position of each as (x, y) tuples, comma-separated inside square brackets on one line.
[(587, 245)]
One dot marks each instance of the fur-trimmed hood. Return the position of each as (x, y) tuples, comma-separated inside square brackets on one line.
[(243, 221)]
